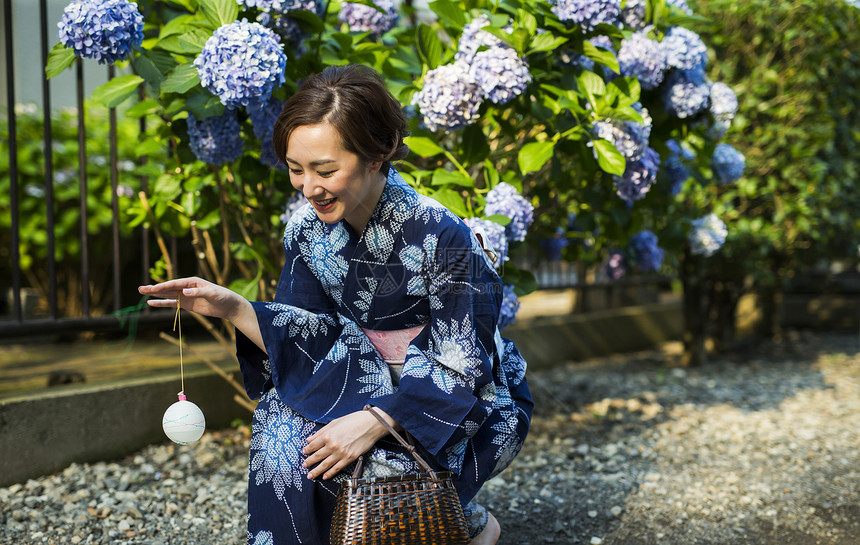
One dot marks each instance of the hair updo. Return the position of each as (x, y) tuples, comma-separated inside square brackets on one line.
[(356, 102)]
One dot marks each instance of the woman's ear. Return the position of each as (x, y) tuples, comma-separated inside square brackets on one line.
[(374, 166)]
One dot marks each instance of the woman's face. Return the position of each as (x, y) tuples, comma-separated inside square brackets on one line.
[(337, 182)]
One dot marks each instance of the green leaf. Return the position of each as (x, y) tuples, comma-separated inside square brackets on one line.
[(202, 105), (449, 11), (547, 42), (592, 85), (59, 59), (143, 108), (608, 157), (451, 200), (112, 93), (498, 218), (534, 155), (190, 5), (452, 177), (429, 46), (147, 69), (181, 79), (601, 56), (220, 12), (423, 146), (247, 287), (475, 145), (187, 44)]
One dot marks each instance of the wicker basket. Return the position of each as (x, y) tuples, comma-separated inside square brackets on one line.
[(418, 508)]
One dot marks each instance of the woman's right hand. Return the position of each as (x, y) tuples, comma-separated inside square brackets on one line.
[(204, 297), (197, 295)]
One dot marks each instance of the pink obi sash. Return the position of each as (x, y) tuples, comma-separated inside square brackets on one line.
[(392, 345)]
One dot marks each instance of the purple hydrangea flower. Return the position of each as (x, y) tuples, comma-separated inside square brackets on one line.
[(504, 199), (450, 98), (362, 18), (510, 307), (615, 265), (215, 140), (588, 13), (646, 252), (728, 164), (104, 30), (674, 169), (263, 123), (294, 204), (708, 234), (684, 49), (241, 63), (685, 93), (501, 74), (638, 177), (642, 58), (633, 14), (473, 38)]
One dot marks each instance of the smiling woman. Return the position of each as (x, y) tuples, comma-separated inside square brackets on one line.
[(386, 299)]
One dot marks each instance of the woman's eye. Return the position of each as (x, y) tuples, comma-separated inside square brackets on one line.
[(295, 171), (327, 174)]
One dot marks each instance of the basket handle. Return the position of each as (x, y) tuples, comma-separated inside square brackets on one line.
[(407, 444)]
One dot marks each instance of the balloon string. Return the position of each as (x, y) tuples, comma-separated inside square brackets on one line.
[(177, 323)]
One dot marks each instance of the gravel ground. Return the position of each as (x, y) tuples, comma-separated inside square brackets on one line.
[(758, 447)]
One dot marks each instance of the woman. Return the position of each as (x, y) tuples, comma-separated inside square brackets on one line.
[(386, 298)]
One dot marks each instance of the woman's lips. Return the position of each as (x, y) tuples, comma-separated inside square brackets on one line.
[(324, 205)]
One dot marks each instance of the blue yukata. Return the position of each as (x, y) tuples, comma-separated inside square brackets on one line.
[(461, 391)]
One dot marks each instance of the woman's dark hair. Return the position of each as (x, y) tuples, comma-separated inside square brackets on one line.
[(356, 102)]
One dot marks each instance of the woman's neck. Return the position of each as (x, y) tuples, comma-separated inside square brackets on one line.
[(361, 215)]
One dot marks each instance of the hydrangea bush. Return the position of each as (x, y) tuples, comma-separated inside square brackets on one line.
[(520, 117)]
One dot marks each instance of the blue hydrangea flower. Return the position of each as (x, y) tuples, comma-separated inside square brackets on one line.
[(642, 58), (647, 254), (588, 13), (708, 234), (724, 102), (216, 140), (728, 164), (633, 14), (362, 18), (638, 177), (501, 74), (287, 28), (685, 93), (494, 235), (681, 5), (684, 49), (504, 199), (294, 204), (510, 307), (450, 98), (473, 38), (629, 137), (673, 167), (104, 30), (553, 246), (241, 63), (283, 6), (263, 123), (615, 266)]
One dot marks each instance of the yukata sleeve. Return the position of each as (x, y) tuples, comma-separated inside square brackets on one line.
[(446, 391), (299, 325)]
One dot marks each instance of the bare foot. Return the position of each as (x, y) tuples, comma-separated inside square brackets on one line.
[(490, 534)]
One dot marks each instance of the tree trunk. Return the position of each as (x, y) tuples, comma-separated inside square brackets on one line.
[(724, 299)]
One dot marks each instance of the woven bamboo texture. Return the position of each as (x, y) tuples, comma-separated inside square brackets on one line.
[(399, 510)]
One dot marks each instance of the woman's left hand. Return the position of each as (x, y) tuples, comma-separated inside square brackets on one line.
[(341, 441)]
